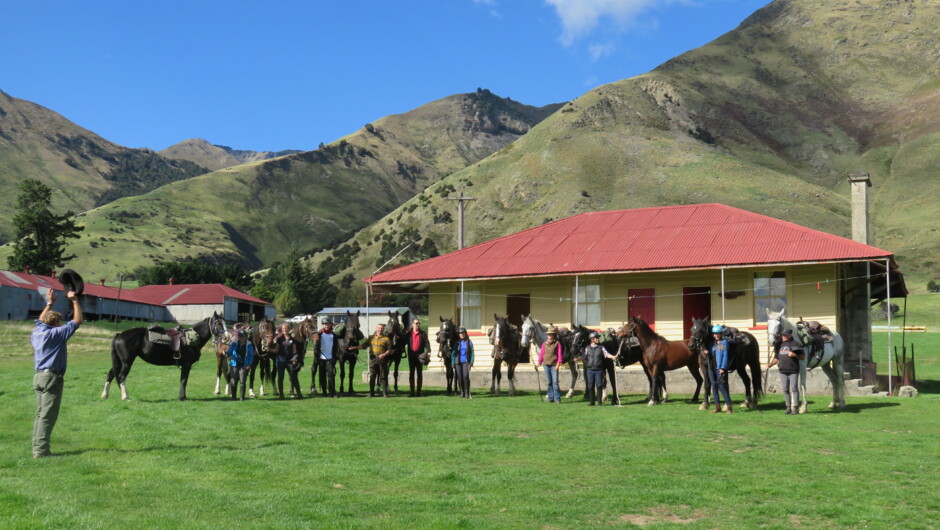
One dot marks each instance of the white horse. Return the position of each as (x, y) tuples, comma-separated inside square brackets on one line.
[(831, 360)]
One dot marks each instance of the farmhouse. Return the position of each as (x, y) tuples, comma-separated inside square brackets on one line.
[(667, 265), (22, 296)]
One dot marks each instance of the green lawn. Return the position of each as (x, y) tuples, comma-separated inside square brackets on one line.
[(440, 461)]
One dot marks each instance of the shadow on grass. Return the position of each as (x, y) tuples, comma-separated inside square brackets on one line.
[(168, 447)]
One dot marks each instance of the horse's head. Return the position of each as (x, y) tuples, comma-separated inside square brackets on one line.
[(628, 330), (352, 326), (447, 332), (580, 338), (393, 327), (500, 330), (775, 320), (699, 333), (532, 329), (218, 328)]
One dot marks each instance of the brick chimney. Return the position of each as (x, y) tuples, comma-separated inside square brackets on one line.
[(860, 183)]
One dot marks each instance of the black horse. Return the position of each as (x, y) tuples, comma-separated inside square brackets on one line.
[(507, 348), (573, 342), (348, 334), (446, 338), (135, 342), (396, 330), (744, 352)]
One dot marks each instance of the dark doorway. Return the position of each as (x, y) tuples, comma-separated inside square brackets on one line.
[(696, 302), (516, 306), (642, 303)]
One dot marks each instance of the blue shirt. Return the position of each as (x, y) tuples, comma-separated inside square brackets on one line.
[(49, 345), (240, 361), (720, 352)]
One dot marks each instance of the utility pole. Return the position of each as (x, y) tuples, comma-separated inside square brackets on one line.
[(460, 209)]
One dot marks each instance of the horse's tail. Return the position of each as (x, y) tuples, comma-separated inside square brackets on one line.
[(753, 362)]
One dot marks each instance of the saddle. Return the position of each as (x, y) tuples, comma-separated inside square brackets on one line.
[(172, 338), (815, 335)]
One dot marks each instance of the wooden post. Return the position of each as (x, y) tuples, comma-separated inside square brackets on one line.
[(460, 211)]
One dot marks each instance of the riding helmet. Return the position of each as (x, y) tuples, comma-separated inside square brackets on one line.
[(787, 332), (594, 335), (717, 328), (462, 330)]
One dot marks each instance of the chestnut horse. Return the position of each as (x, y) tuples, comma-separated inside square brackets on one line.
[(221, 338), (661, 355)]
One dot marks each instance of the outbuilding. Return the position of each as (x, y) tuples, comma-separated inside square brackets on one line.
[(666, 265)]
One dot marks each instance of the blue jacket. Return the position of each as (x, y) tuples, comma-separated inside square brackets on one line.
[(233, 358), (455, 353), (720, 355)]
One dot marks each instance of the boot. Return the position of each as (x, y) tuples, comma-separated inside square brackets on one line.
[(717, 409), (729, 409), (243, 393)]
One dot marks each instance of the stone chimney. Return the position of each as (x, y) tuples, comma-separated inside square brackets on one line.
[(860, 183)]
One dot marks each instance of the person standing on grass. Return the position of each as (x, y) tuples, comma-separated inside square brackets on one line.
[(462, 360), (326, 351), (550, 357), (789, 355), (380, 350), (241, 354), (718, 368), (285, 351), (49, 339), (594, 355), (418, 348)]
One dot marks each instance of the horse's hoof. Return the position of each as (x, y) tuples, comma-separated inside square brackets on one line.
[(217, 392), (651, 403), (702, 407)]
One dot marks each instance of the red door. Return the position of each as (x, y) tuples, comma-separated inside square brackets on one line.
[(642, 303), (696, 302)]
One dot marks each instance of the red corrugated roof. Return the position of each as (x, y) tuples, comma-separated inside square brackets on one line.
[(646, 239), (186, 294), (212, 293)]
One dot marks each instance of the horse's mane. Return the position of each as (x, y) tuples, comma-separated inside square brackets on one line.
[(640, 322)]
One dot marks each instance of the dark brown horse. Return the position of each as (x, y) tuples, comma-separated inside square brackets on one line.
[(130, 344), (348, 335), (744, 353), (446, 338), (395, 330), (507, 348), (262, 336), (661, 355)]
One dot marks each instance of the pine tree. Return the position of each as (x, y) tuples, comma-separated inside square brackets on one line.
[(40, 235)]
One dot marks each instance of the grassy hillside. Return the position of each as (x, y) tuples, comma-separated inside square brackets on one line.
[(769, 117), (253, 213), (81, 167)]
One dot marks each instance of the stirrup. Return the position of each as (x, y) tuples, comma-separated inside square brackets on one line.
[(177, 355)]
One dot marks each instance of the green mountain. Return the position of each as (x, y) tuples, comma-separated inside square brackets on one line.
[(215, 157), (770, 117), (254, 213), (83, 168)]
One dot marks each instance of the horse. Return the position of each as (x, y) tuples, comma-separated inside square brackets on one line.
[(629, 352), (221, 338), (299, 334), (661, 355), (573, 343), (395, 330), (135, 342), (744, 353), (830, 359), (262, 337), (507, 348), (349, 335), (446, 338)]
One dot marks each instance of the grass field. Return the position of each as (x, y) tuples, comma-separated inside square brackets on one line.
[(439, 461)]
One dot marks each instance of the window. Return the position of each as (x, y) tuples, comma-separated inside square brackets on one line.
[(770, 292), (588, 304), (472, 307)]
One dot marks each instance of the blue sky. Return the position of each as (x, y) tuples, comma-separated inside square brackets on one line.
[(291, 74)]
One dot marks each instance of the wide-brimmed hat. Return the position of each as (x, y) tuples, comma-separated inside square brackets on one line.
[(552, 330), (72, 281)]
